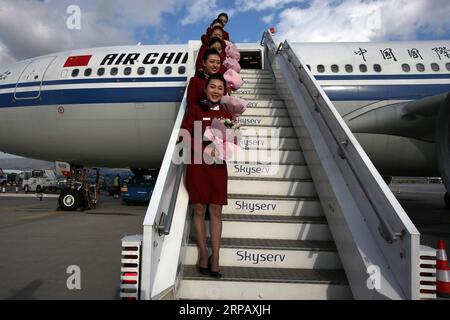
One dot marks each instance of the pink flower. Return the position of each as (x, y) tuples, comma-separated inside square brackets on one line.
[(225, 136), (234, 105)]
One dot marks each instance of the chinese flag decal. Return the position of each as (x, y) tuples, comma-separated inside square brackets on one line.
[(77, 61)]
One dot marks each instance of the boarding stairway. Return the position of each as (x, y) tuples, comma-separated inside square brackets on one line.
[(276, 241), (320, 223)]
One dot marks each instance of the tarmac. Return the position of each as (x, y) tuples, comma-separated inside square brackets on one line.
[(39, 245)]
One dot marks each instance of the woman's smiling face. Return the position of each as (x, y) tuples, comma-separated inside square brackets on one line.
[(212, 64), (215, 90)]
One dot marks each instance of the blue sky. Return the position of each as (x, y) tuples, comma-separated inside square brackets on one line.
[(30, 28)]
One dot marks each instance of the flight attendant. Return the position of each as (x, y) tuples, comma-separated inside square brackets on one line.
[(214, 43), (224, 18), (211, 65), (207, 183)]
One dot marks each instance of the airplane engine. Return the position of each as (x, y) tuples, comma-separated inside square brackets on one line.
[(406, 138)]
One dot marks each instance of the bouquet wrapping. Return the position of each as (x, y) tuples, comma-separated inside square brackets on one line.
[(234, 105), (226, 137), (234, 80), (231, 63)]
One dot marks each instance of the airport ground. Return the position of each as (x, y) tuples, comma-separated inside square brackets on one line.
[(38, 243)]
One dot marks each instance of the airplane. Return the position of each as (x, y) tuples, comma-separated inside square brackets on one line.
[(116, 106)]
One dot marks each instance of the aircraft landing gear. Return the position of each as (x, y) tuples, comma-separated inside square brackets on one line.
[(79, 192)]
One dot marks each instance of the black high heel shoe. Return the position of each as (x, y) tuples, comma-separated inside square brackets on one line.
[(213, 274), (204, 271)]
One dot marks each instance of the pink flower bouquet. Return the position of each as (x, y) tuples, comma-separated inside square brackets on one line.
[(234, 105), (234, 80), (231, 63), (226, 136)]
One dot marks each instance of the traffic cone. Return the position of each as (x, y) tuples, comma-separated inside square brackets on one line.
[(442, 272)]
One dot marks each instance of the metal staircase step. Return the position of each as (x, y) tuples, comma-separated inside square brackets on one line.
[(255, 96), (245, 120), (266, 85), (268, 103), (274, 227), (257, 81), (250, 142), (257, 90), (266, 253), (240, 283), (283, 206), (264, 76), (255, 71), (268, 156), (268, 187), (274, 112), (268, 131), (268, 171)]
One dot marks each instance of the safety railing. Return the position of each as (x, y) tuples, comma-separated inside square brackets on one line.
[(354, 196), (164, 224)]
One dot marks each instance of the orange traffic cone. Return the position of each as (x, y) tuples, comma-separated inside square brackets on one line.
[(442, 272)]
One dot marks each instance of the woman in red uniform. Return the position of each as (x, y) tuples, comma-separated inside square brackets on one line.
[(214, 43), (207, 183), (196, 89)]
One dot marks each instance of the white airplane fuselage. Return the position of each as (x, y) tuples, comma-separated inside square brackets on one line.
[(49, 111)]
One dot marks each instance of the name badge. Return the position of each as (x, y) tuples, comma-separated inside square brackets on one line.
[(207, 119)]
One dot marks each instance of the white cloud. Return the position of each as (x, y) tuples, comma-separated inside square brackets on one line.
[(260, 5), (33, 28), (357, 20), (268, 19)]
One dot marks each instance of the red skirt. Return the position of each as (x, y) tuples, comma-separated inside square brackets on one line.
[(207, 184)]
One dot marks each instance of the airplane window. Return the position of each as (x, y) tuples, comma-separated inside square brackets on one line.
[(362, 68), (168, 70), (435, 67), (127, 71), (321, 68), (406, 67), (309, 67), (75, 72), (335, 68), (114, 71), (420, 67), (377, 67), (88, 72), (141, 71), (447, 65), (101, 72), (181, 70), (155, 70), (349, 68)]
